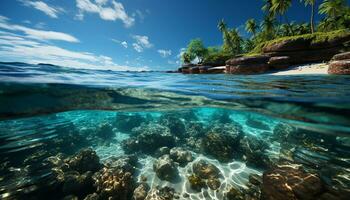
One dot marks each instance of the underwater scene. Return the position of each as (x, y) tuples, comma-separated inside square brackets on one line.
[(89, 134)]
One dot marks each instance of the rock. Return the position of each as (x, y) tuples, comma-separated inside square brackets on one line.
[(288, 45), (162, 151), (181, 156), (174, 123), (196, 182), (149, 138), (280, 62), (339, 67), (126, 122), (222, 141), (195, 129), (248, 65), (235, 194), (85, 160), (165, 168), (194, 70), (105, 131), (290, 183), (214, 183), (205, 170), (127, 163), (251, 60), (77, 184), (114, 184), (341, 56), (253, 149), (140, 193), (165, 193)]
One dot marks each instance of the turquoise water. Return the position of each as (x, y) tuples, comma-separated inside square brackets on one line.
[(242, 125)]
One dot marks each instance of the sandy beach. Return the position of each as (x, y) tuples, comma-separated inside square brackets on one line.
[(309, 69)]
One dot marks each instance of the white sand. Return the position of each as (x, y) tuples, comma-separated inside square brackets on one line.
[(312, 69)]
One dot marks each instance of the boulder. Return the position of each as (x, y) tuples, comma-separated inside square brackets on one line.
[(248, 61), (342, 56), (165, 168), (194, 70), (279, 62), (85, 160), (196, 182), (165, 193), (288, 45), (181, 156), (248, 69), (205, 170), (140, 193), (290, 183), (341, 67)]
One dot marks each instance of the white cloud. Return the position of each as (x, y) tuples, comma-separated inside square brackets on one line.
[(115, 10), (35, 33), (23, 49), (123, 43), (137, 47), (164, 53), (43, 7)]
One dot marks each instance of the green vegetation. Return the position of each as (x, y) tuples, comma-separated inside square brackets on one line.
[(335, 23)]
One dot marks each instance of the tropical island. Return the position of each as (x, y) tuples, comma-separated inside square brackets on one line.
[(277, 44)]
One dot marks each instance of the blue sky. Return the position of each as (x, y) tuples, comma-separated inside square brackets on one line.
[(118, 34)]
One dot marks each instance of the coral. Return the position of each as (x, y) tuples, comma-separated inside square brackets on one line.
[(253, 149), (165, 168), (162, 151), (174, 123), (126, 122), (165, 193), (234, 194), (181, 156), (195, 129), (205, 170), (196, 182), (214, 183), (149, 138), (85, 160), (140, 193), (126, 163), (105, 131), (222, 140), (114, 184)]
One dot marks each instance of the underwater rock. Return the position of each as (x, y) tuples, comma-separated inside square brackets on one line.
[(78, 184), (174, 123), (252, 149), (181, 156), (196, 182), (114, 184), (222, 141), (165, 193), (234, 194), (149, 138), (125, 122), (125, 163), (193, 143), (140, 193), (105, 131), (165, 168), (255, 123), (85, 160), (205, 170), (162, 151), (214, 183), (195, 129), (290, 183)]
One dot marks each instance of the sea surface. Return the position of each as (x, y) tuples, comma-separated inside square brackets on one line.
[(242, 125)]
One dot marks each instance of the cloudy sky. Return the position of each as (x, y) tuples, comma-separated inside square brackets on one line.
[(117, 34)]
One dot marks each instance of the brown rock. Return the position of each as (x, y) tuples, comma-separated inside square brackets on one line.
[(194, 70), (247, 61), (339, 67), (280, 62), (290, 183), (249, 69), (342, 56), (288, 45)]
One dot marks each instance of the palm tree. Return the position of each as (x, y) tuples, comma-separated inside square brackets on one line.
[(268, 27), (222, 26), (332, 8), (280, 7), (251, 26), (267, 7), (312, 4)]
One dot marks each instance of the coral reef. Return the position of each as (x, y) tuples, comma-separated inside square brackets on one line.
[(166, 169), (181, 156)]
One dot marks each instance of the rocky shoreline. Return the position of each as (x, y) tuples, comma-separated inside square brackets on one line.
[(280, 55)]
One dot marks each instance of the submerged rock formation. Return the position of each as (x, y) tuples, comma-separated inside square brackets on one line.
[(166, 169)]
